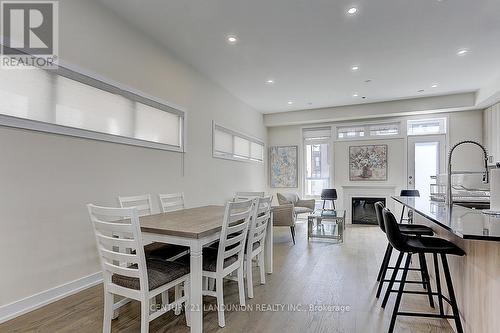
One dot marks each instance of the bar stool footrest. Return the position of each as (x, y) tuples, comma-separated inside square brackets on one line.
[(415, 292), (423, 314)]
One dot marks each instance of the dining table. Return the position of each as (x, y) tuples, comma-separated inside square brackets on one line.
[(195, 228)]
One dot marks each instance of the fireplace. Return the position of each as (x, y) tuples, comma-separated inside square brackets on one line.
[(363, 210)]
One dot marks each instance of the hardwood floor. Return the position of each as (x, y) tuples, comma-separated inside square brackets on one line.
[(318, 273)]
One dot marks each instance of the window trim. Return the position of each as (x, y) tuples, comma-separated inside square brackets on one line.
[(233, 156), (442, 120), (96, 81), (367, 135)]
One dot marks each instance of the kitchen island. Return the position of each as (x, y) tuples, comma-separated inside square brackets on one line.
[(476, 276)]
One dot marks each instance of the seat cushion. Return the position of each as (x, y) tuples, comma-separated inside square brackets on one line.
[(160, 272), (302, 210), (163, 251), (432, 245), (209, 259), (415, 229)]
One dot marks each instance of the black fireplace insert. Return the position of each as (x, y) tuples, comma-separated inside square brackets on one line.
[(363, 210)]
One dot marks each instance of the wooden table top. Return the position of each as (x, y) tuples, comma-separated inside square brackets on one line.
[(190, 223)]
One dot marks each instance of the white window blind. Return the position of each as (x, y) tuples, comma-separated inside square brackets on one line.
[(82, 106), (241, 147), (256, 151), (317, 133), (157, 126), (427, 126), (67, 102), (223, 142), (229, 144)]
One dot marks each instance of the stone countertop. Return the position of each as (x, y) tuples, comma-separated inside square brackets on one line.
[(464, 222)]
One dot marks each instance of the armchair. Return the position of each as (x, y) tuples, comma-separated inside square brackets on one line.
[(299, 206), (284, 216)]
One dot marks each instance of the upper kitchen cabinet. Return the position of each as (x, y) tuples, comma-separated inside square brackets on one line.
[(492, 132)]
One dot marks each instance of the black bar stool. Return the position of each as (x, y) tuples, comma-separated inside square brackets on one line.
[(329, 194), (420, 245), (411, 194), (407, 229)]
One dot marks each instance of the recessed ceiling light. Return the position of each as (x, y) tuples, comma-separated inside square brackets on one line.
[(355, 95), (462, 52), (270, 81), (434, 85), (232, 39), (355, 67), (352, 11), (289, 102)]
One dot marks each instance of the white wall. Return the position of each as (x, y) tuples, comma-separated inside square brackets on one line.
[(46, 180), (462, 125)]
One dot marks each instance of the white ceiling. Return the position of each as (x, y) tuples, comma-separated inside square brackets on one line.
[(309, 46)]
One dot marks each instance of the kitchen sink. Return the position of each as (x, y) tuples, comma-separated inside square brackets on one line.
[(474, 205)]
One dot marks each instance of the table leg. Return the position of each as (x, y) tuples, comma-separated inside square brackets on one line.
[(268, 247), (196, 299)]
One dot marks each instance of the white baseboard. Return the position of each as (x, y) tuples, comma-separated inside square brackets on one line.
[(30, 303)]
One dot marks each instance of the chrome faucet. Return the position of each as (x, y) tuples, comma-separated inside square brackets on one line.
[(486, 177)]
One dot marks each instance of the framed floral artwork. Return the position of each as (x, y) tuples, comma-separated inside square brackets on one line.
[(368, 163)]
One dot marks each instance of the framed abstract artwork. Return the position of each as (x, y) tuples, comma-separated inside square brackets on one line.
[(283, 162), (368, 163)]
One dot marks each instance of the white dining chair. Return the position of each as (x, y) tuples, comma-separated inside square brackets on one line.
[(126, 270), (239, 196), (227, 259), (259, 223), (154, 250), (171, 202), (141, 202)]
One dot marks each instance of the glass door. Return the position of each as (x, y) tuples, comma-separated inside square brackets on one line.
[(426, 155)]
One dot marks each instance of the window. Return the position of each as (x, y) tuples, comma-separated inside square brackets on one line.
[(384, 129), (368, 131), (67, 102), (317, 160), (350, 132), (232, 145), (427, 126)]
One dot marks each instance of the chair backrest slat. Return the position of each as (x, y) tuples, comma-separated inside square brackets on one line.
[(116, 240), (115, 227), (241, 196), (234, 231), (259, 223), (237, 217), (141, 202), (231, 252), (171, 202), (114, 269), (118, 256), (235, 239), (119, 242)]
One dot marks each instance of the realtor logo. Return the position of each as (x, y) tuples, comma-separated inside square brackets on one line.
[(29, 34)]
